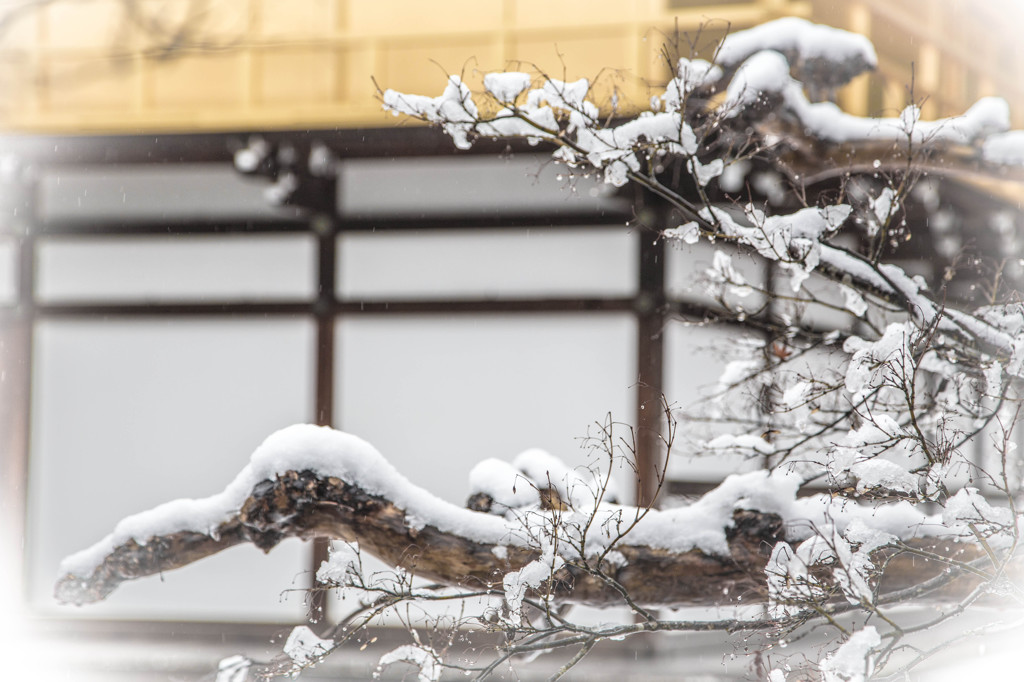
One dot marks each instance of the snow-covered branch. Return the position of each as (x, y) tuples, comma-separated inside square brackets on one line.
[(308, 481)]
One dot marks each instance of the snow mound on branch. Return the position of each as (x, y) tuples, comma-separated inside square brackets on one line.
[(454, 110), (302, 447), (577, 487), (741, 442), (691, 75), (570, 98), (423, 658), (793, 240), (530, 576), (767, 74), (703, 524), (330, 453), (885, 362), (507, 86), (503, 483), (852, 661), (1005, 148), (688, 232), (305, 648), (341, 564), (881, 473), (613, 148), (802, 40), (792, 585), (969, 513)]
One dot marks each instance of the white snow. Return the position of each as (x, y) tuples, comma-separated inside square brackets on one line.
[(507, 123), (883, 205), (613, 148), (1004, 148), (704, 173), (852, 661), (342, 563), (564, 95), (741, 442), (305, 648), (233, 669), (968, 508), (322, 161), (723, 277), (424, 659), (800, 37), (247, 160), (530, 576), (792, 240), (858, 458), (507, 86), (881, 473), (691, 74), (796, 395), (790, 583), (887, 361), (454, 110), (993, 375), (503, 483), (738, 370), (764, 73), (279, 192), (702, 525), (687, 232), (853, 301), (576, 487), (734, 175)]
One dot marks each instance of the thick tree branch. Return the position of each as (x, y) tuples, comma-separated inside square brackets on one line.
[(306, 505)]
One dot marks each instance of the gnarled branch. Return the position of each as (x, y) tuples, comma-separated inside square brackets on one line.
[(306, 504)]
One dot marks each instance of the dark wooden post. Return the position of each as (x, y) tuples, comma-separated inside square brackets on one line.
[(324, 225), (650, 309)]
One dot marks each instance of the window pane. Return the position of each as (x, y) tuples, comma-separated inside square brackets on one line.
[(695, 357), (8, 272), (131, 414), (152, 192), (463, 186), (176, 268), (686, 266), (436, 396), (491, 264)]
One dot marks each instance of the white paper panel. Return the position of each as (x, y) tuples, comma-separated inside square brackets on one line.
[(464, 185), (153, 192), (694, 360), (189, 267), (505, 263), (131, 414), (436, 396)]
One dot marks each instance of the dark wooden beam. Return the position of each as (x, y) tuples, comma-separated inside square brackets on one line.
[(219, 147)]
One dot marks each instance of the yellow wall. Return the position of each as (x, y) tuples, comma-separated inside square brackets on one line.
[(76, 66)]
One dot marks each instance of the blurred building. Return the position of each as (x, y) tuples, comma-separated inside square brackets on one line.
[(160, 313), (107, 66)]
